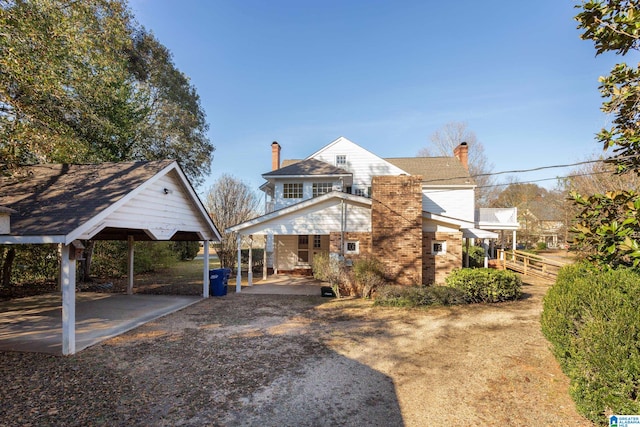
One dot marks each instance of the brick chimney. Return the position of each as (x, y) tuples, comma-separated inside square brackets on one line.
[(461, 152), (275, 155)]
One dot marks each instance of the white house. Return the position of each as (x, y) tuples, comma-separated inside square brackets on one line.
[(412, 213)]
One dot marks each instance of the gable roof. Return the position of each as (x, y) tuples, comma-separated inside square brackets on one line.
[(437, 171), (306, 167), (58, 199)]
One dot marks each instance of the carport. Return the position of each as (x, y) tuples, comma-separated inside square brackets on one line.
[(129, 201)]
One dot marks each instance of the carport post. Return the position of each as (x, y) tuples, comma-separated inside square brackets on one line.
[(130, 261), (205, 278), (68, 285), (250, 268), (239, 274)]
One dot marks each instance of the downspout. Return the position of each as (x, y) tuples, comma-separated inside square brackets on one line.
[(342, 227)]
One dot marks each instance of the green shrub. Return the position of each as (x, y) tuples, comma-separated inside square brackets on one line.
[(186, 251), (541, 246), (110, 257), (32, 263), (369, 276), (415, 296), (592, 319), (476, 256), (485, 285)]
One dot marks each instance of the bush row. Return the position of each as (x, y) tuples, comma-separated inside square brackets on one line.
[(462, 287), (592, 319)]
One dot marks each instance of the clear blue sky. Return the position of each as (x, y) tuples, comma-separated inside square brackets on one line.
[(385, 74)]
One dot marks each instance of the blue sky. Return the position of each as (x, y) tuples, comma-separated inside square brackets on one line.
[(386, 74)]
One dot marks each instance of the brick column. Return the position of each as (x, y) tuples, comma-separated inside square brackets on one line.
[(396, 227)]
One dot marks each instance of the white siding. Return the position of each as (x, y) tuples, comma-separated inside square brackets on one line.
[(361, 163), (307, 190), (159, 213), (453, 203), (322, 218), (286, 252)]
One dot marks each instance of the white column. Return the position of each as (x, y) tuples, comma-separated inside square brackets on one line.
[(239, 275), (264, 259), (250, 272), (205, 275), (513, 241), (130, 261), (68, 284)]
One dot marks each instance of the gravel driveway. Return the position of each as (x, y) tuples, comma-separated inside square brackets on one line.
[(247, 360)]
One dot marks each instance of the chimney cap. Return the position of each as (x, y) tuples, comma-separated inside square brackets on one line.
[(275, 142), (463, 143)]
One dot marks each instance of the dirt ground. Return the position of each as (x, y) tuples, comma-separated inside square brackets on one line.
[(247, 360)]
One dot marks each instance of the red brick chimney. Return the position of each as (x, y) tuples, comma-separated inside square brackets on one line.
[(275, 155), (461, 152)]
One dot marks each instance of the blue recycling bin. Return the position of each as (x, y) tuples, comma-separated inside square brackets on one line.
[(218, 279)]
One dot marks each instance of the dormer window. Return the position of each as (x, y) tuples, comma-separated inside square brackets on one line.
[(341, 160), (292, 190)]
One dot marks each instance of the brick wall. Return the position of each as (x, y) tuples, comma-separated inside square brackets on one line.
[(436, 267), (363, 239), (396, 227)]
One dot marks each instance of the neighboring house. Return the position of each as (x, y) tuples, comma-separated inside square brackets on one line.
[(542, 223), (411, 213)]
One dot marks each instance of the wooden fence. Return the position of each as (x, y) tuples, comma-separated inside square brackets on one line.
[(528, 264)]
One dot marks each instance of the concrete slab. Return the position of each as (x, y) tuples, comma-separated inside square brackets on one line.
[(34, 324), (282, 285)]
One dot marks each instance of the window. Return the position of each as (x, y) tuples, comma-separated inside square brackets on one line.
[(341, 160), (303, 249), (317, 242), (360, 192), (292, 190), (352, 247), (438, 248), (320, 188)]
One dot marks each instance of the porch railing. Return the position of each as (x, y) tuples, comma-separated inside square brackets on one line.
[(529, 264)]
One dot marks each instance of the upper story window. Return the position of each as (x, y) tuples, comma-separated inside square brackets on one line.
[(341, 160), (320, 188), (292, 190), (362, 192)]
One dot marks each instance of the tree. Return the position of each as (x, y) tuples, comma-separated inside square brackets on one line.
[(81, 82), (607, 228), (230, 202), (443, 142)]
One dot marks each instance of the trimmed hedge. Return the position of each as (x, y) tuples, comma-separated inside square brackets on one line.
[(592, 318), (416, 296), (485, 285)]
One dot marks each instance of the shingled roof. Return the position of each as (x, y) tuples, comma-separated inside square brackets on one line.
[(56, 199), (306, 167), (434, 170)]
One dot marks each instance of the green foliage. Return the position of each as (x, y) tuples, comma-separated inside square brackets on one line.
[(82, 82), (476, 256), (110, 257), (592, 319), (608, 227), (541, 246), (186, 251), (416, 296), (33, 263), (485, 285), (369, 275)]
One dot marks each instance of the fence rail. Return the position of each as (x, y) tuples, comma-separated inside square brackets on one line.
[(529, 264)]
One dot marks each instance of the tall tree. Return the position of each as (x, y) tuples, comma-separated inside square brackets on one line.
[(230, 202), (608, 226), (442, 143)]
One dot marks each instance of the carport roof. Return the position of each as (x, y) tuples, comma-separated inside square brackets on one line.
[(56, 199)]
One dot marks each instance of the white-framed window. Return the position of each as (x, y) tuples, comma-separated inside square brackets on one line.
[(317, 241), (292, 190), (341, 160), (303, 248), (438, 247), (362, 192), (352, 247), (320, 188)]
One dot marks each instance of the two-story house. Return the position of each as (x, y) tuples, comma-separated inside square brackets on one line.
[(412, 213)]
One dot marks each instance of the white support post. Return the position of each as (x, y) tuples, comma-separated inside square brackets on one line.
[(239, 275), (205, 275), (264, 259), (130, 263), (68, 285), (513, 241), (250, 269)]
